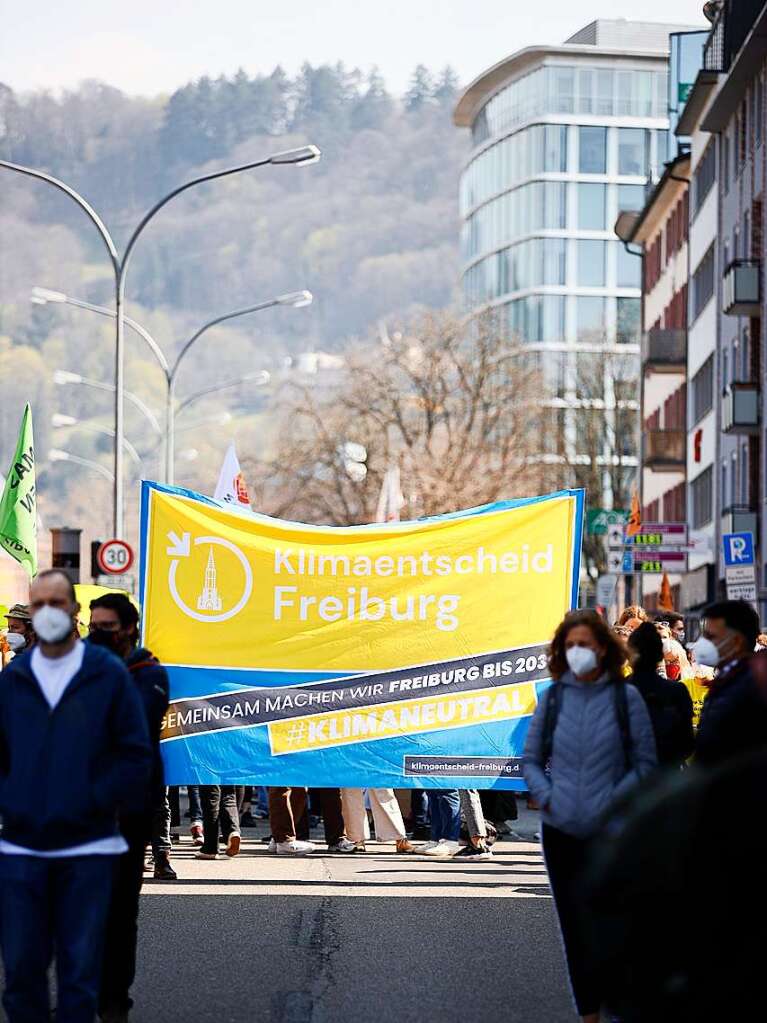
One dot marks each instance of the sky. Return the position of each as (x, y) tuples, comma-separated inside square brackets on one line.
[(145, 47)]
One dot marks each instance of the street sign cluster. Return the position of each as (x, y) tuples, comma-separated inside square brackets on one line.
[(659, 547)]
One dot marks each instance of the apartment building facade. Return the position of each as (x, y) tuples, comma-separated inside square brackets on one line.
[(565, 137)]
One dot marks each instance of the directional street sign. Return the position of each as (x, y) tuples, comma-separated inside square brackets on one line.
[(656, 560), (659, 534)]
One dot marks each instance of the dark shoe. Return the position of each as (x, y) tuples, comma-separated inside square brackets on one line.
[(473, 854), (421, 833), (248, 820), (163, 870), (175, 838)]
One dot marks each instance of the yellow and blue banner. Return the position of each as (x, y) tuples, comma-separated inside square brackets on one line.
[(404, 654)]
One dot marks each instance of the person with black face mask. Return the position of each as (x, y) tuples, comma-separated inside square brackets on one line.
[(114, 625)]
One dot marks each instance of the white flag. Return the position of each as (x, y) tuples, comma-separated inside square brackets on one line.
[(231, 485), (391, 500)]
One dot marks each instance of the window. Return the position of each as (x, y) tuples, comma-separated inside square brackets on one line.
[(702, 498), (703, 283), (631, 197), (703, 390), (605, 89), (563, 89), (592, 143), (733, 478), (725, 368), (591, 264), (555, 148), (726, 162), (705, 175), (759, 87), (744, 475), (631, 151), (585, 91), (745, 356), (628, 321), (591, 206), (725, 496), (629, 268), (591, 318), (554, 266)]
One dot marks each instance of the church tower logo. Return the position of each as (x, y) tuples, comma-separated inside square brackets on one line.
[(209, 599)]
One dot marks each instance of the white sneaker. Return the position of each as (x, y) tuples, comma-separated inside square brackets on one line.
[(294, 848), (427, 847), (272, 847), (343, 845), (444, 849)]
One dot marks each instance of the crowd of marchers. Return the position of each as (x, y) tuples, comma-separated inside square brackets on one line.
[(635, 753)]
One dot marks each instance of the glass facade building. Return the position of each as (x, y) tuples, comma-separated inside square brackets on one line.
[(563, 138)]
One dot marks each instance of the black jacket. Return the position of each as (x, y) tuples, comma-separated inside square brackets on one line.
[(734, 717), (670, 708), (151, 680), (64, 773)]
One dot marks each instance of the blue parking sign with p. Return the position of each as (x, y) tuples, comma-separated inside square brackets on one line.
[(738, 548)]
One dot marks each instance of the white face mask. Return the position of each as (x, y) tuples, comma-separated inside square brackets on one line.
[(706, 652), (16, 641), (52, 624), (581, 659)]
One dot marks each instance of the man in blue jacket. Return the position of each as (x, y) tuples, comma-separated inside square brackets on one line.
[(74, 750)]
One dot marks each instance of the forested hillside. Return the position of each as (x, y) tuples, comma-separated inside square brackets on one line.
[(371, 230)]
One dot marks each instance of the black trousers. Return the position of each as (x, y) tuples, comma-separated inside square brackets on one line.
[(220, 810), (119, 964), (566, 858)]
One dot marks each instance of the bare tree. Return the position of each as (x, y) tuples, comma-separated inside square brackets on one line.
[(595, 432), (451, 403)]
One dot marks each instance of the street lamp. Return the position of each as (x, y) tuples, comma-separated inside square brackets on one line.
[(301, 155), (65, 376), (59, 421), (291, 299), (57, 455)]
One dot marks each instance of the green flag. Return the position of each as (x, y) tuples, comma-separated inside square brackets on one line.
[(18, 505)]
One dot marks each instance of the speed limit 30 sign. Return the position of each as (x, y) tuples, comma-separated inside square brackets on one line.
[(115, 557)]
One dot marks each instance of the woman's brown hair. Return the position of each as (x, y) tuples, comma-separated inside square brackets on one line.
[(614, 651)]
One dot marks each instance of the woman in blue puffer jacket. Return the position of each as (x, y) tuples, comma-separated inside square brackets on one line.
[(590, 741)]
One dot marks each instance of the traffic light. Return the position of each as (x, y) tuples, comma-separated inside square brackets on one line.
[(95, 570)]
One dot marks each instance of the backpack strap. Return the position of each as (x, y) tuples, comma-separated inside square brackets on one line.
[(553, 705), (622, 715)]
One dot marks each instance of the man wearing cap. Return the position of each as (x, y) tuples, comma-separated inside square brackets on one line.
[(21, 634)]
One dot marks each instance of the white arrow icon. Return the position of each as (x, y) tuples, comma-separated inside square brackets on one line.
[(180, 546)]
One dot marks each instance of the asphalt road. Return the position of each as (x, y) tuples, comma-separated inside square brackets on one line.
[(377, 937)]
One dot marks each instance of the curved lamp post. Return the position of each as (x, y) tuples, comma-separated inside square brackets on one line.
[(302, 155), (294, 299)]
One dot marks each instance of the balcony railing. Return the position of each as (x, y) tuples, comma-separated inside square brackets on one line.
[(740, 409), (713, 48), (665, 350), (742, 288), (739, 518), (665, 450)]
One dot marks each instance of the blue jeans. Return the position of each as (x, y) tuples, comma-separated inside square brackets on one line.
[(195, 806), (419, 807), (445, 810), (53, 907)]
